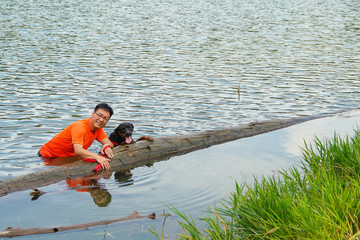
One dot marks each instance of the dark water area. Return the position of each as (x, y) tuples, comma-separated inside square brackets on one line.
[(169, 67)]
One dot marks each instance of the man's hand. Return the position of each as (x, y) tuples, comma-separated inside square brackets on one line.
[(105, 162), (106, 150), (80, 151)]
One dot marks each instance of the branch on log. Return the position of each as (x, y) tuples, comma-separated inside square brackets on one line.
[(36, 193), (16, 232)]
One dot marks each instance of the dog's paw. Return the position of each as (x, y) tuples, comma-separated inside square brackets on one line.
[(150, 139)]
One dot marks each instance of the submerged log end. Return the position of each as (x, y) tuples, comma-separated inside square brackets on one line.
[(3, 192)]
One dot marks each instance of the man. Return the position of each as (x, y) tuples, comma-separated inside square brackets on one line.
[(75, 139)]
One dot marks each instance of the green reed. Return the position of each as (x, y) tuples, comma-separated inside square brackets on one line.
[(320, 199)]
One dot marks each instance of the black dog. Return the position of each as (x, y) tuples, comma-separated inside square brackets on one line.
[(123, 135)]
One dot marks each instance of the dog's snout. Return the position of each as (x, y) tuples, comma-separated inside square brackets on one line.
[(128, 133)]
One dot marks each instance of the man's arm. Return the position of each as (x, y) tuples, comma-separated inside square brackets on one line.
[(80, 151), (108, 150)]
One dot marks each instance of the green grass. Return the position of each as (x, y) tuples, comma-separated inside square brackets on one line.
[(320, 199)]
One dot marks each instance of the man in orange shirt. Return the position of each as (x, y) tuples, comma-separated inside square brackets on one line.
[(75, 139)]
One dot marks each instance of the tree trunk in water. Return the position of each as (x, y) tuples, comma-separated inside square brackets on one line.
[(144, 152)]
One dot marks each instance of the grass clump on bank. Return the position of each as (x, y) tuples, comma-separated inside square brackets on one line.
[(320, 199)]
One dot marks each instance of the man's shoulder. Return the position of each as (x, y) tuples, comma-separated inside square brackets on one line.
[(81, 124)]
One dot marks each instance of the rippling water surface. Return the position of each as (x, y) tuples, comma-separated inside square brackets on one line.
[(169, 67)]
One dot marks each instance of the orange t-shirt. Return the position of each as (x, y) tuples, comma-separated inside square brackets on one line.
[(78, 132)]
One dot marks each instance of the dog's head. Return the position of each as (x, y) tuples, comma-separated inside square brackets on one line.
[(125, 129), (123, 133)]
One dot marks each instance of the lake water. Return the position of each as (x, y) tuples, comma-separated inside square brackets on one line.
[(169, 67)]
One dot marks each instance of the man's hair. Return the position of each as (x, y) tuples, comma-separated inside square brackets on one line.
[(104, 106)]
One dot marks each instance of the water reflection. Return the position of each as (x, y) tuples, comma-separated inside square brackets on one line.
[(90, 184), (123, 179), (59, 161)]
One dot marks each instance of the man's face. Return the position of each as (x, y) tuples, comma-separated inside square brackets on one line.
[(99, 119)]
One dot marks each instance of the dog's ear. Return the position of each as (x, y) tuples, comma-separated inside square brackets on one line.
[(114, 136), (120, 127)]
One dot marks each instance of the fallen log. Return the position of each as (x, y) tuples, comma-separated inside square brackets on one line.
[(16, 232), (144, 152)]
